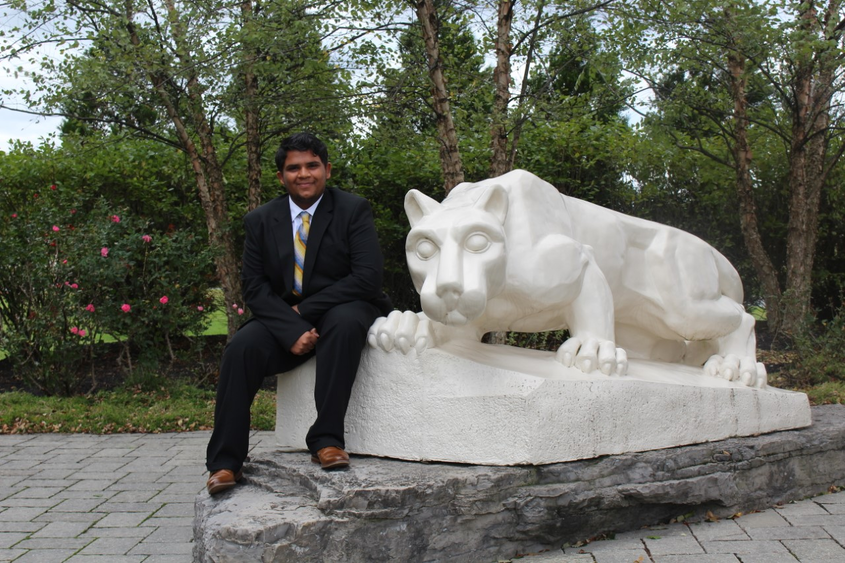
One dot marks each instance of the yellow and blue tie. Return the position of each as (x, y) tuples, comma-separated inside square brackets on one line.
[(300, 241)]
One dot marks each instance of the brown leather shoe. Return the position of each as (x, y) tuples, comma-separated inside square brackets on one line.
[(331, 457), (222, 480)]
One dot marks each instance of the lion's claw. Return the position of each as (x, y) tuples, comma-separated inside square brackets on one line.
[(592, 354), (745, 370), (398, 330)]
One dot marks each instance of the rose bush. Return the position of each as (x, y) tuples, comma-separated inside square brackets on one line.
[(70, 273)]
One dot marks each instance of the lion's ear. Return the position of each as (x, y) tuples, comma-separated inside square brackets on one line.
[(418, 205), (494, 200)]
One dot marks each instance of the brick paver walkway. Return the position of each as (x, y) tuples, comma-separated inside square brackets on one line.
[(129, 498), (124, 498)]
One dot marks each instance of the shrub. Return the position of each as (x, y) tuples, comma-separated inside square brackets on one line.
[(69, 275)]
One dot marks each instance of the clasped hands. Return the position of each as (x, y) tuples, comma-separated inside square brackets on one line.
[(306, 342)]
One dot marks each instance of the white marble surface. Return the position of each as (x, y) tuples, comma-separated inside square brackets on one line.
[(495, 405)]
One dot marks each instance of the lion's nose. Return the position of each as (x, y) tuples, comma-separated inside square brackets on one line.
[(449, 295)]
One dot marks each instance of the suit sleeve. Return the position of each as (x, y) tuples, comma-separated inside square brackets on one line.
[(266, 305), (364, 280)]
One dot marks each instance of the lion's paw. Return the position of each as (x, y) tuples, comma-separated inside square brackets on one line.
[(402, 330), (746, 370), (593, 354)]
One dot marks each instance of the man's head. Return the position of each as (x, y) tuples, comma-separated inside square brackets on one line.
[(304, 167)]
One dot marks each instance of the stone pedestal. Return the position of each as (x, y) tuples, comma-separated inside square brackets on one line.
[(499, 405), (288, 509)]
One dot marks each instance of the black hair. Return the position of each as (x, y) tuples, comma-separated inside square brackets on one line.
[(303, 142)]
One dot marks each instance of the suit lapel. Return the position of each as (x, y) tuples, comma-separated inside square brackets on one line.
[(319, 224), (283, 233)]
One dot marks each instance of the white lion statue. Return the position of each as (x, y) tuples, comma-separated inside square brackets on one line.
[(513, 253)]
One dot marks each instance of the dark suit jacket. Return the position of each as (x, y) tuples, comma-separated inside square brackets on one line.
[(343, 263)]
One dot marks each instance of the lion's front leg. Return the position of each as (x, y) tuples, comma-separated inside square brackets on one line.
[(590, 319)]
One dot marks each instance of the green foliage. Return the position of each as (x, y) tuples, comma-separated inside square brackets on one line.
[(69, 274), (819, 358), (173, 406)]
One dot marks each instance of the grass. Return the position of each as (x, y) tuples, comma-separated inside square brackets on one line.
[(174, 407)]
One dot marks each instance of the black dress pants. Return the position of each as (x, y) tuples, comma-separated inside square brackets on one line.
[(254, 354)]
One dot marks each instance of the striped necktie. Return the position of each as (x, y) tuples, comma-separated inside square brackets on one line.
[(300, 242)]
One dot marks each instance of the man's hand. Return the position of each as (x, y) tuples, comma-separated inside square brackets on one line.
[(305, 343)]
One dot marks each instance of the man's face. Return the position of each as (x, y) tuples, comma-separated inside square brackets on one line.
[(304, 177)]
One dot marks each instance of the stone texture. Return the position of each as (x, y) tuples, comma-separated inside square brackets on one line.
[(500, 405), (391, 510)]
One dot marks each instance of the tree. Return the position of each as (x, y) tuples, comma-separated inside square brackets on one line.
[(729, 78), (169, 71)]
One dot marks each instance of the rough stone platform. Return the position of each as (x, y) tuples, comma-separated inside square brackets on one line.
[(500, 405), (390, 510)]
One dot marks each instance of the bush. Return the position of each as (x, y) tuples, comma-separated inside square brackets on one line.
[(69, 275), (819, 354)]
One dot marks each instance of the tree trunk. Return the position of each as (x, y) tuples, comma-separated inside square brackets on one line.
[(812, 91), (450, 156), (209, 176), (251, 124), (500, 161), (745, 192)]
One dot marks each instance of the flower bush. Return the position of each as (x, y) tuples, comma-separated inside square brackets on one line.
[(70, 274)]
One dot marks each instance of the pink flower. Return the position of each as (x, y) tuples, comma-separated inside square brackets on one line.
[(55, 229), (240, 311), (74, 330), (146, 238), (74, 286), (200, 308), (90, 308), (234, 305), (104, 252), (73, 211), (115, 219), (53, 187), (125, 307), (14, 215), (163, 300), (82, 332), (64, 261)]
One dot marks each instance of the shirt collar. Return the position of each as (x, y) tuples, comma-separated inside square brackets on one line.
[(295, 210)]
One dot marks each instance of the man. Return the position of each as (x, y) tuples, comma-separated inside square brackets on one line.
[(312, 274)]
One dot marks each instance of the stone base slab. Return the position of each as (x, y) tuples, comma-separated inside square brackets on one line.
[(287, 509), (499, 405)]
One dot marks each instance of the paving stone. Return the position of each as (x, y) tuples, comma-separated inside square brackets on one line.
[(621, 556), (11, 554), (791, 533), (148, 507), (744, 547), (818, 520), (123, 519), (802, 508), (53, 543), (9, 539), (62, 530), (673, 546), (45, 556), (812, 551), (178, 534), (151, 548), (768, 558), (21, 526), (19, 514), (78, 505), (178, 509), (133, 496), (705, 558), (556, 557), (768, 519), (605, 546), (156, 522), (835, 508), (165, 559), (79, 517), (836, 532), (109, 559), (30, 502), (718, 531), (139, 533), (109, 546), (833, 498), (37, 492)]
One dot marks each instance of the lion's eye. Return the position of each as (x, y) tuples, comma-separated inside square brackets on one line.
[(426, 249), (477, 242)]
